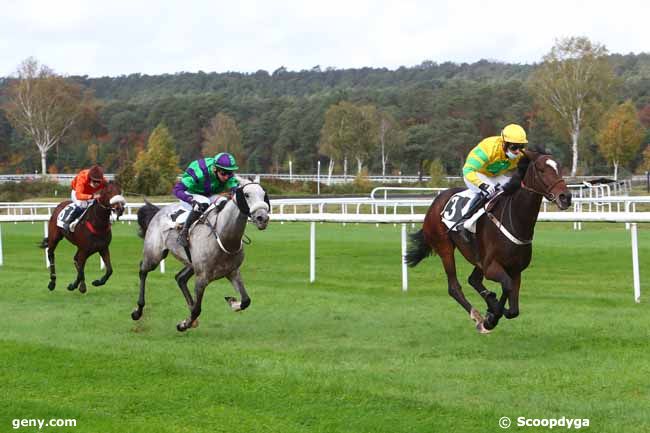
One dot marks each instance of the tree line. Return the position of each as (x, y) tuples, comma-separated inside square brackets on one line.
[(590, 107)]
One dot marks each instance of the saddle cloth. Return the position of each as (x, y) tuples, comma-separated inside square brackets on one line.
[(179, 217), (64, 211), (456, 207)]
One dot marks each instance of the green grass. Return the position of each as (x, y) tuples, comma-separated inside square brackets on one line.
[(349, 353)]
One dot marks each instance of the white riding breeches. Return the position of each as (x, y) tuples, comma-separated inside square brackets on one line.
[(202, 199), (490, 180)]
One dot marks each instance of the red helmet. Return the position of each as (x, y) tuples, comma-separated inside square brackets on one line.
[(96, 173)]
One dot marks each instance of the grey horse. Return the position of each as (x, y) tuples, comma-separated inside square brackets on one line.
[(216, 248)]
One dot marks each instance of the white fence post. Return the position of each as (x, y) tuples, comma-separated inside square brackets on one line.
[(312, 252), (1, 258), (405, 276), (635, 264)]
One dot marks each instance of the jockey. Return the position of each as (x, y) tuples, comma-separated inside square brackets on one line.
[(203, 179), (489, 166), (85, 189)]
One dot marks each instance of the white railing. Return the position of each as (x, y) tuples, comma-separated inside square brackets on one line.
[(620, 217)]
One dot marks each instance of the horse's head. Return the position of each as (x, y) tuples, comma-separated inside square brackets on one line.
[(253, 201), (111, 197), (543, 176)]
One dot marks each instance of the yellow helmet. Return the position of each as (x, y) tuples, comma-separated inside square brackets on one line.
[(514, 133)]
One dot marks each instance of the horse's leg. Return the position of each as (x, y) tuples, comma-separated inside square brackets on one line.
[(79, 262), (52, 241), (495, 272), (106, 257), (146, 266), (454, 289), (200, 283), (182, 277), (235, 279), (513, 298), (476, 280)]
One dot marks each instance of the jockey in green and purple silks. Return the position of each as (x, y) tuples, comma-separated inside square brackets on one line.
[(205, 180)]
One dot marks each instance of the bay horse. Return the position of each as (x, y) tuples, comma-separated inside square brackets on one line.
[(91, 235), (215, 251), (495, 255)]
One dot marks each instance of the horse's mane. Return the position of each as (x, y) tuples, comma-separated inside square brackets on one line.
[(242, 181)]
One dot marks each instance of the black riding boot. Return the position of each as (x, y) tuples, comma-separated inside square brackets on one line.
[(70, 216), (183, 237), (477, 202)]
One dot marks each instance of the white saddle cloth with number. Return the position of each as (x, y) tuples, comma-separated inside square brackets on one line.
[(456, 207)]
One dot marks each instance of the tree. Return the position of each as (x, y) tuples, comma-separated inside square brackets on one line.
[(620, 135), (391, 138), (571, 85), (42, 105), (222, 135), (156, 168), (645, 165), (339, 132)]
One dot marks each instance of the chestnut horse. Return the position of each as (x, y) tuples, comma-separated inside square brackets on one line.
[(92, 234), (497, 254)]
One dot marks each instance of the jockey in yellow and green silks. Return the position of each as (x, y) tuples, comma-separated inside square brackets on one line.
[(491, 164)]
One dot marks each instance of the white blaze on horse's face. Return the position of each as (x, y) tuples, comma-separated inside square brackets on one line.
[(553, 165)]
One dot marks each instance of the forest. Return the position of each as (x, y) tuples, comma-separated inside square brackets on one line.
[(432, 111)]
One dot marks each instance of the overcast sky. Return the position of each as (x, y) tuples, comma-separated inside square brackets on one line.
[(115, 37)]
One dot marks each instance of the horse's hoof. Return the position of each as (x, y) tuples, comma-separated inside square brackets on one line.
[(97, 283), (82, 288), (52, 285), (490, 321), (245, 303), (181, 327), (71, 287), (136, 314), (234, 304), (482, 329)]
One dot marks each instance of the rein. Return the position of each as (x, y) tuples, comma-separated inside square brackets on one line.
[(512, 238), (213, 230)]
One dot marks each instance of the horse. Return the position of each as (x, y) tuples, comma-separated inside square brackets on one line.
[(215, 251), (92, 234), (502, 247)]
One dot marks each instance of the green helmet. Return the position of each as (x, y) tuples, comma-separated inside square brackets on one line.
[(225, 161)]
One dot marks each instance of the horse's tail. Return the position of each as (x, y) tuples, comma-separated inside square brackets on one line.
[(145, 214), (43, 243), (418, 249)]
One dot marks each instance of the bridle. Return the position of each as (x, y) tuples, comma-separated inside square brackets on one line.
[(537, 180), (242, 205)]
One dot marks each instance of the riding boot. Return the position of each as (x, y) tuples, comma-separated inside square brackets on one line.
[(477, 202), (183, 237), (69, 217)]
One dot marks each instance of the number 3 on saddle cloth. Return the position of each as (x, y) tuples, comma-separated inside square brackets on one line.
[(457, 206)]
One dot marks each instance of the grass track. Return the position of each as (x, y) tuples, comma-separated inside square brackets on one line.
[(349, 353)]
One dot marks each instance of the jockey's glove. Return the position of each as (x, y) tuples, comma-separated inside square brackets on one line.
[(487, 189)]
